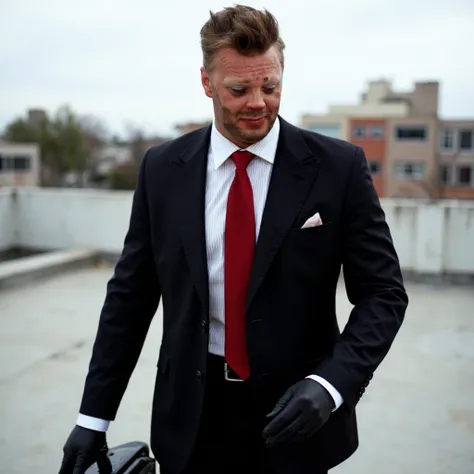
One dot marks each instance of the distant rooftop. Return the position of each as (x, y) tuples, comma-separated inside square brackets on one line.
[(380, 99)]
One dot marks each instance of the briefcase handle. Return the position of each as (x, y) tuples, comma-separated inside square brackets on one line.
[(124, 459), (103, 462)]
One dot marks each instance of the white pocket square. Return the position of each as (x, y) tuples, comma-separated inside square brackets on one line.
[(313, 221)]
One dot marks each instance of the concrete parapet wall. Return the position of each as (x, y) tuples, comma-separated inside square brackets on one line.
[(431, 239)]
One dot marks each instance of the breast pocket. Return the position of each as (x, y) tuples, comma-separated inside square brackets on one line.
[(311, 236), (307, 251)]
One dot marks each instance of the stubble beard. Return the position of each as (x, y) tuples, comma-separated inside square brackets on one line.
[(230, 128), (245, 137)]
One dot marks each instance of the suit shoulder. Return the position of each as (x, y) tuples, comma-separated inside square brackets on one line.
[(334, 148), (159, 154)]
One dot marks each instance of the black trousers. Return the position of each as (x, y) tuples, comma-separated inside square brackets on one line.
[(230, 435)]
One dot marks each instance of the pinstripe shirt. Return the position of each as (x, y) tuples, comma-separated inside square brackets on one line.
[(220, 174)]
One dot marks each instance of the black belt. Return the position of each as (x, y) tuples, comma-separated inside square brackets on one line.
[(219, 367)]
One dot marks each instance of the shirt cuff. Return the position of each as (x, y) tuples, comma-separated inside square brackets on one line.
[(336, 396), (92, 423)]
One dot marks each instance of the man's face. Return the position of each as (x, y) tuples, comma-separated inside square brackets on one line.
[(245, 91)]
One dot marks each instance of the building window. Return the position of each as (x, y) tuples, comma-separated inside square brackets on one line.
[(446, 140), (6, 163), (466, 140), (376, 132), (410, 170), (411, 133), (445, 174), (14, 163), (359, 131), (3, 163), (21, 163), (375, 167), (464, 176)]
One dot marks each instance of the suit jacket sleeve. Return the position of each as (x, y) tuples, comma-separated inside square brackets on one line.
[(132, 298), (374, 286)]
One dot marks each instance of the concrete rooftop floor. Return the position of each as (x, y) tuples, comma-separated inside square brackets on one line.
[(417, 415)]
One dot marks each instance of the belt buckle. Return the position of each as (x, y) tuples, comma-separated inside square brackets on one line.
[(227, 377)]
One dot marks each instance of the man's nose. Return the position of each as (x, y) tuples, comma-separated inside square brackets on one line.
[(256, 100)]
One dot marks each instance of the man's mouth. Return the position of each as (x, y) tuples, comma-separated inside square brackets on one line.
[(253, 120)]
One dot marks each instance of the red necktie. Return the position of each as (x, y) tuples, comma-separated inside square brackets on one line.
[(239, 248)]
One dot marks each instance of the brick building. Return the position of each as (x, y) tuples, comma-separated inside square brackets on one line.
[(411, 151), (371, 134)]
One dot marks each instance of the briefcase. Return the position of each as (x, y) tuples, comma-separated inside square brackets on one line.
[(128, 458)]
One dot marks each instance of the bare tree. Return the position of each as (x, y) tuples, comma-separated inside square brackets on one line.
[(136, 139), (95, 136)]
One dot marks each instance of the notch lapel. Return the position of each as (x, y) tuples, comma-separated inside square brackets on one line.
[(294, 171), (193, 164)]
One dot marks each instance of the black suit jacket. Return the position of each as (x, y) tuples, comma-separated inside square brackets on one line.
[(291, 316)]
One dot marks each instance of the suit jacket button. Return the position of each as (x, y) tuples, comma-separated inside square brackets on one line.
[(204, 325), (198, 374)]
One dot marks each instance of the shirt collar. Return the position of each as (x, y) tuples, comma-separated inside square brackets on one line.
[(222, 148)]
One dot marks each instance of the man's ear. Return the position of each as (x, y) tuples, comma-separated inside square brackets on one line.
[(206, 82)]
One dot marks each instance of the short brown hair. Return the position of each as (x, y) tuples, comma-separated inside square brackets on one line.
[(245, 29)]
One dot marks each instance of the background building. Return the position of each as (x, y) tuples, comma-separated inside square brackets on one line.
[(411, 156), (335, 126), (19, 164), (410, 150), (456, 158), (381, 100), (371, 135)]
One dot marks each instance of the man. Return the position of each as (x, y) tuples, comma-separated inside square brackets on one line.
[(241, 229)]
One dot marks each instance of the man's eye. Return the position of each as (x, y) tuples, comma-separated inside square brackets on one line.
[(239, 90), (269, 90)]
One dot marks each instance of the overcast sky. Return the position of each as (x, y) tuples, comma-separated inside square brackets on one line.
[(137, 61)]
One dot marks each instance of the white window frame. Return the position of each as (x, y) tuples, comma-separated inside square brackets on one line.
[(404, 176), (454, 135), (377, 127)]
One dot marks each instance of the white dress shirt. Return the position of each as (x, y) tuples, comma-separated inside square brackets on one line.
[(220, 174)]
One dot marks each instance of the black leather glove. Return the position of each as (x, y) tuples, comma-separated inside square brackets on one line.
[(299, 413), (83, 448)]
